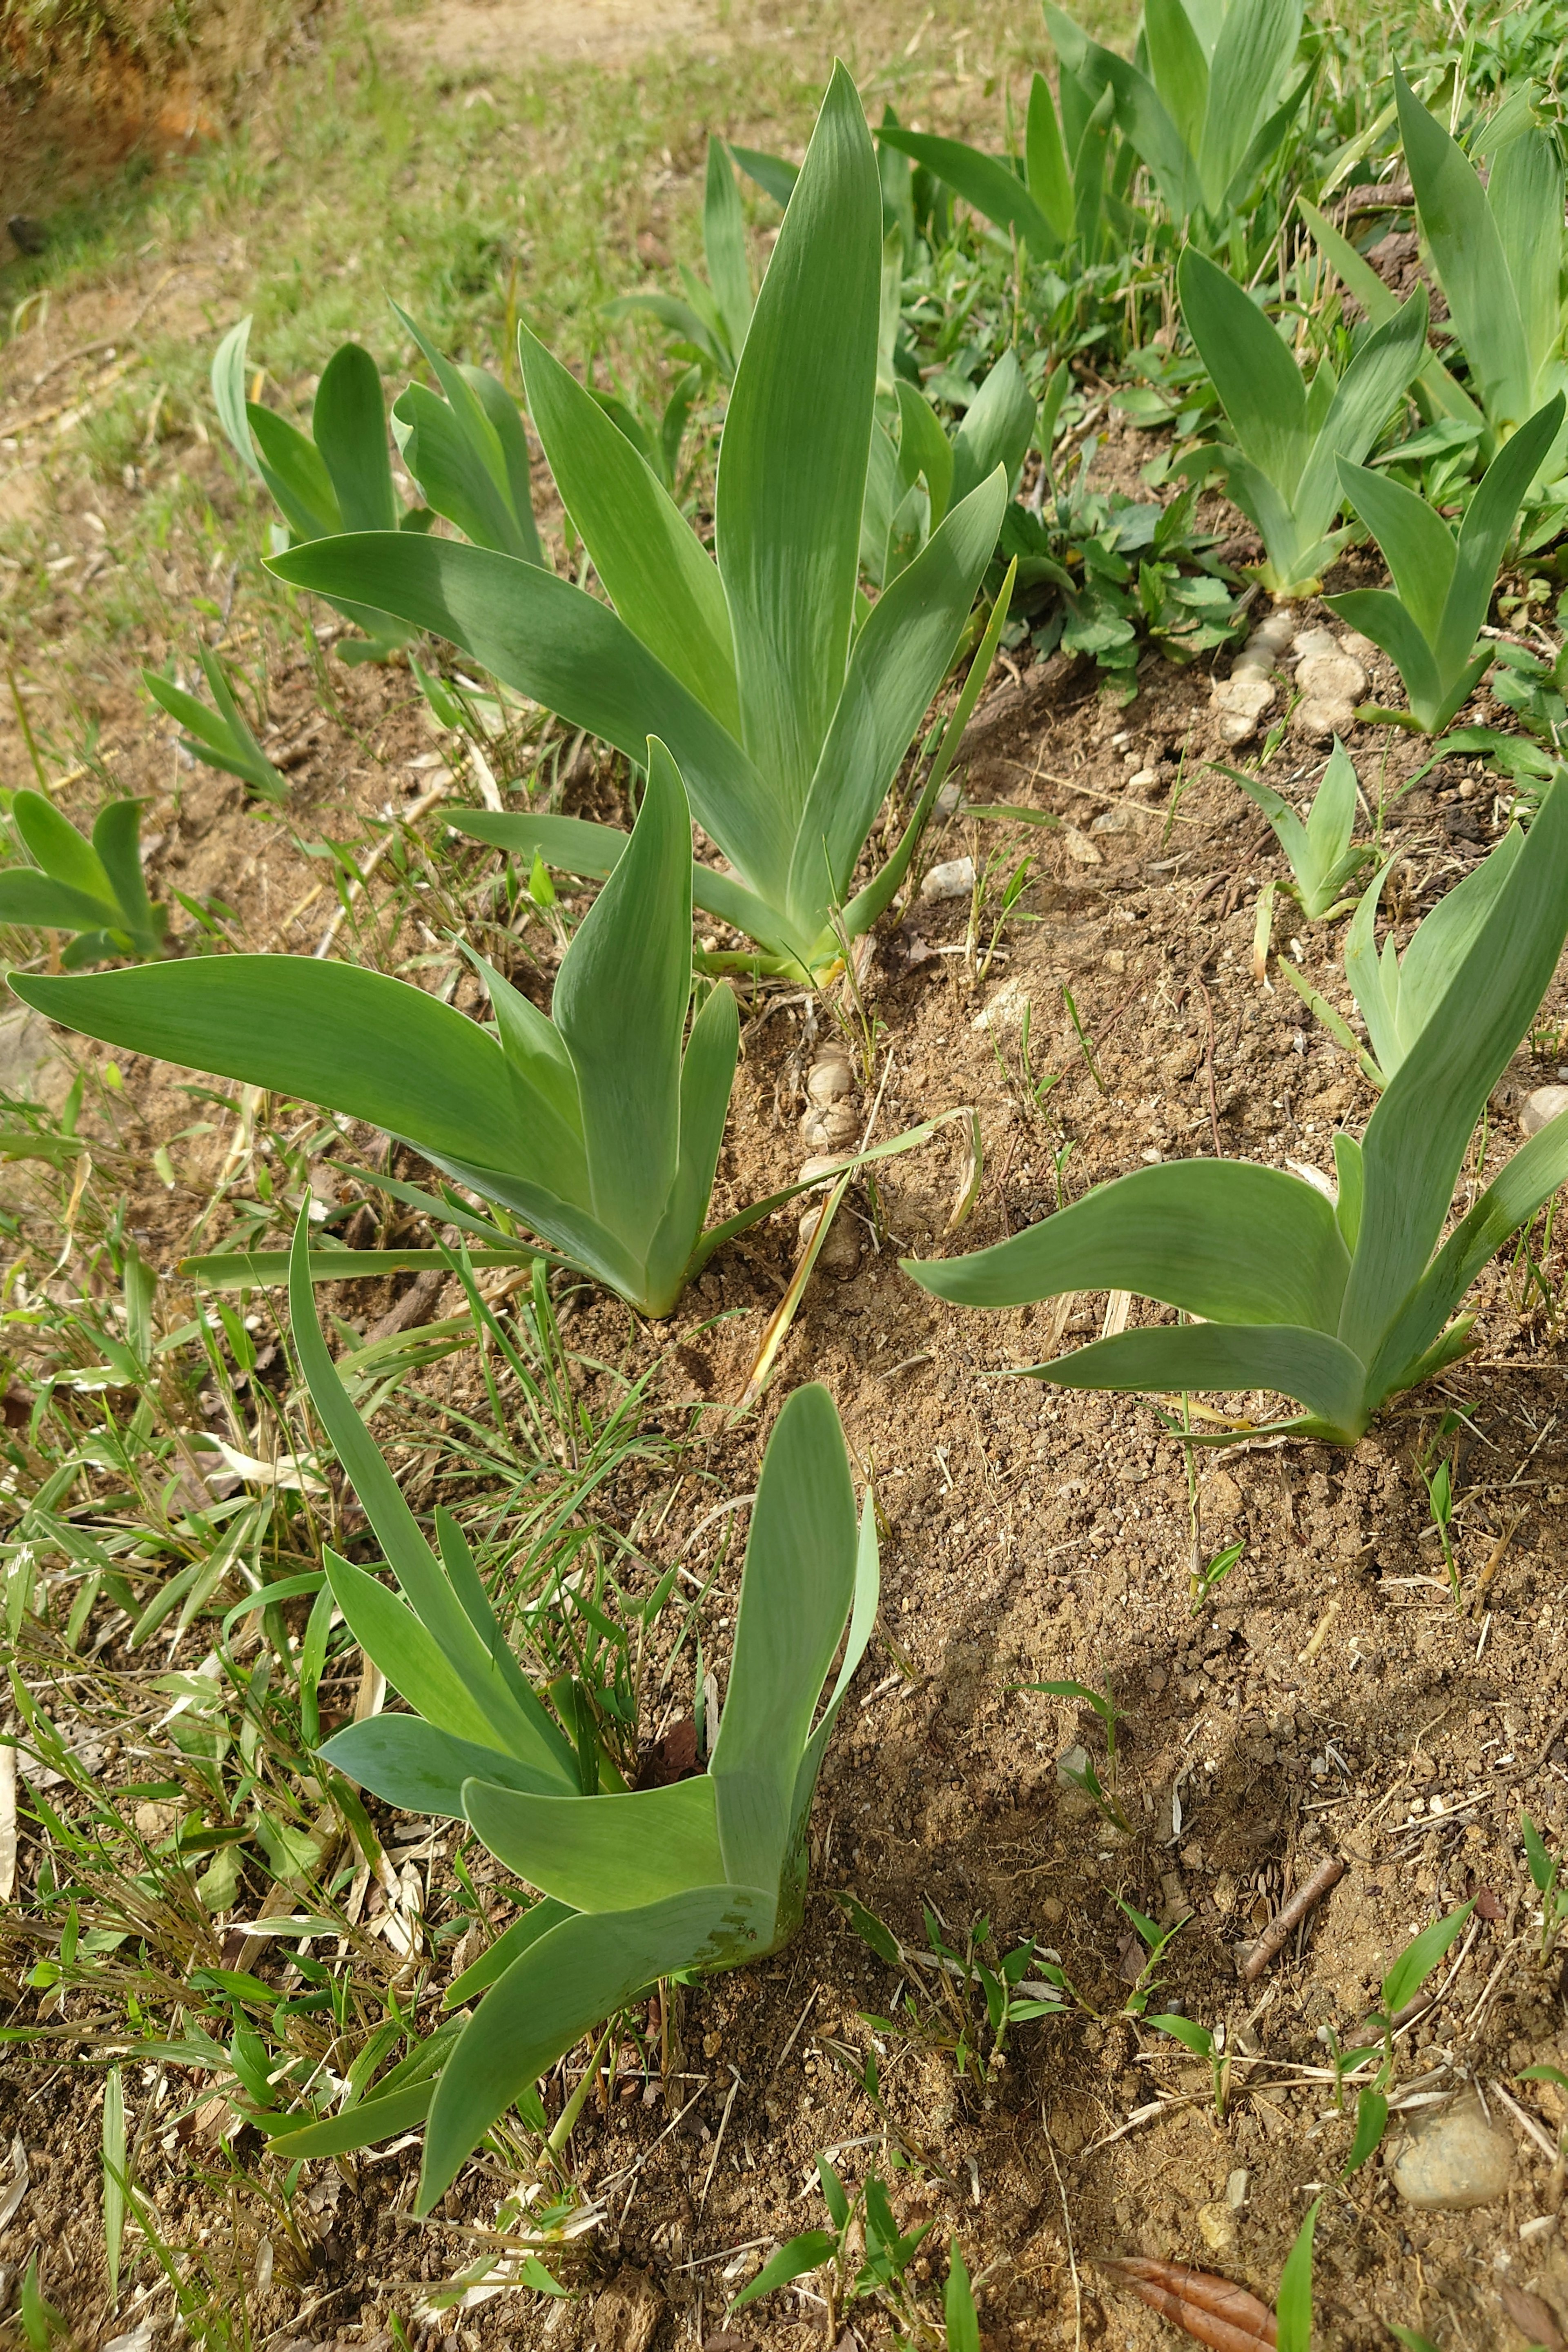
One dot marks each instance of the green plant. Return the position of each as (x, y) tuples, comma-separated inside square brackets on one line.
[(1293, 2305), (1155, 1940), (1396, 995), (1206, 1580), (1429, 621), (594, 1128), (704, 1875), (1339, 1304), (1281, 470), (1497, 248), (222, 738), (1544, 1871), (1204, 104), (1322, 855), (1054, 195), (788, 706), (866, 2264), (91, 888), (1202, 2044)]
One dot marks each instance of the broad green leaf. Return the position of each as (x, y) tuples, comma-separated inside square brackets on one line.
[(506, 1704), (1537, 1170), (620, 1006), (1258, 382), (505, 422), (536, 1052), (1375, 380), (413, 1765), (682, 321), (987, 182), (1221, 1238), (413, 1661), (318, 1030), (996, 431), (1416, 1962), (1319, 1371), (503, 459), (1348, 1173), (1471, 265), (1485, 533), (603, 1853), (1332, 821), (659, 576), (1524, 194), (796, 2258), (358, 2126), (116, 841), (348, 423), (66, 855), (1180, 68), (1139, 116), (924, 448), (1417, 1136), (958, 2305), (862, 1619), (1255, 45), (1293, 2310), (1418, 545), (569, 651), (724, 245), (452, 472), (900, 659), (30, 898), (571, 844), (1418, 983), (583, 1970), (228, 393), (795, 1595), (774, 174), (1371, 2123), (295, 472), (792, 461), (707, 1077), (1046, 171)]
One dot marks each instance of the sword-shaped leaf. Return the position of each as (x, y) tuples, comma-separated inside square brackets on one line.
[(798, 1587), (1221, 1238), (412, 1764), (614, 1853)]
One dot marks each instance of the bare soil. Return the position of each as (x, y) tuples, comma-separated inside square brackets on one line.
[(1334, 1700)]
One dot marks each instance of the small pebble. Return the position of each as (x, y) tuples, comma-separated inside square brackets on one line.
[(1332, 673), (824, 1164), (1542, 1108), (1454, 2159), (841, 1251), (1235, 2190), (1322, 717), (1216, 2225), (1276, 629), (1079, 847), (1307, 644), (954, 879)]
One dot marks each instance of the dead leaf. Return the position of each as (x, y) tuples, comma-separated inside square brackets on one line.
[(1534, 2318), (19, 2184), (1214, 2310), (671, 1759), (7, 1821), (1489, 1906)]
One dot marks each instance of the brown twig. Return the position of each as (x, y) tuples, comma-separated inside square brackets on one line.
[(1290, 1916)]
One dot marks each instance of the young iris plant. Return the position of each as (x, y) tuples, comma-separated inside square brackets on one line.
[(1057, 198), (787, 704), (1289, 436), (1339, 1304), (1429, 624), (1322, 857), (93, 889), (1397, 996), (221, 736), (1207, 116), (1498, 250), (591, 1127), (705, 1874)]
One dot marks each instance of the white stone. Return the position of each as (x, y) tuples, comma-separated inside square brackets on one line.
[(1541, 1108), (828, 1126), (1335, 672), (1319, 717), (954, 879), (1079, 847), (822, 1165), (1276, 629), (830, 1078), (1308, 643), (1454, 2159), (1361, 647)]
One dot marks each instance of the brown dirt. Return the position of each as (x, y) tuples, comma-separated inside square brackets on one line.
[(1334, 1700)]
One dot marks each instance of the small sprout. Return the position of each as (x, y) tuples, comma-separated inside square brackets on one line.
[(223, 737)]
